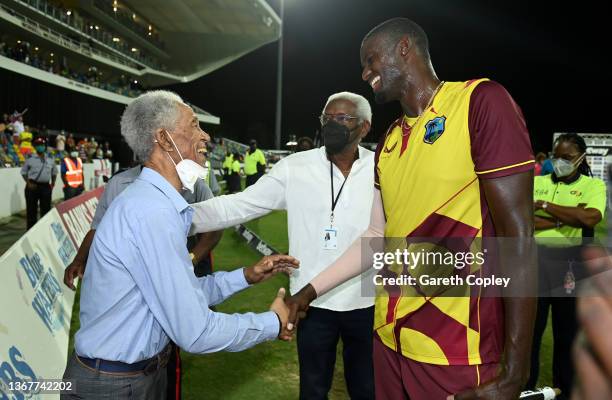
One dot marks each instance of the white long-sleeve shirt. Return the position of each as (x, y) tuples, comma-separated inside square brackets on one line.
[(301, 185)]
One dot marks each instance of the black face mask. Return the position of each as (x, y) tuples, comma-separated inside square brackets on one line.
[(335, 137), (252, 148)]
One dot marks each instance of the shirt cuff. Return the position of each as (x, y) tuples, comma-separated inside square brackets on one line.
[(237, 279), (271, 325)]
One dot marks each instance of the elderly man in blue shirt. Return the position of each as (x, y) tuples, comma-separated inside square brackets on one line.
[(139, 290)]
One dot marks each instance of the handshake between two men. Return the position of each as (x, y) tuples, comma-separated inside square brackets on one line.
[(289, 309)]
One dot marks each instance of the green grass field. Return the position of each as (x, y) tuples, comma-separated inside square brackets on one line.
[(268, 371)]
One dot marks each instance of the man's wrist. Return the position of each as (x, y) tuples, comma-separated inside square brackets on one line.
[(309, 293), (247, 275), (79, 260)]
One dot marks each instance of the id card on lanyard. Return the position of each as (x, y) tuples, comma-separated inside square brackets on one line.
[(330, 235)]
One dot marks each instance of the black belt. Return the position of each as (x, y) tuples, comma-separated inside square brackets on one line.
[(147, 366)]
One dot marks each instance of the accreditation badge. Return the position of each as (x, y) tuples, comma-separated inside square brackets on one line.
[(330, 239), (569, 283)]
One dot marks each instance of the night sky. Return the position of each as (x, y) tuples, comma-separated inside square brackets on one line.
[(550, 57)]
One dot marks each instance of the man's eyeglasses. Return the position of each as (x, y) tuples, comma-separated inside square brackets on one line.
[(340, 118)]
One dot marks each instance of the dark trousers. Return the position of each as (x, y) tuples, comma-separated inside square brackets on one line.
[(565, 327), (318, 336), (553, 267), (97, 385), (40, 195), (251, 179), (234, 183), (70, 192)]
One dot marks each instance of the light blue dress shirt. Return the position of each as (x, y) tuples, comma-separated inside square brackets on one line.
[(139, 290), (119, 182)]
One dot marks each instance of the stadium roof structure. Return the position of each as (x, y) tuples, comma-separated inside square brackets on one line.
[(185, 39), (199, 36)]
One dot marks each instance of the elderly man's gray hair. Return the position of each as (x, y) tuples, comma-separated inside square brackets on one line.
[(158, 109), (364, 111)]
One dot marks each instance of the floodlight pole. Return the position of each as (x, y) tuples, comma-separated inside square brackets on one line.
[(279, 80)]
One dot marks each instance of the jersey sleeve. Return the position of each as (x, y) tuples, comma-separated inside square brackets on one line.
[(498, 132)]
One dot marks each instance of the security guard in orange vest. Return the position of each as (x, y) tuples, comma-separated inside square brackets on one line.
[(72, 175)]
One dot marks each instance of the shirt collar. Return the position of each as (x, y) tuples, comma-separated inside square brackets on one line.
[(154, 178), (569, 182), (360, 149)]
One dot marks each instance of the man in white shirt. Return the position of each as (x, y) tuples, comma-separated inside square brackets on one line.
[(327, 193), (60, 142)]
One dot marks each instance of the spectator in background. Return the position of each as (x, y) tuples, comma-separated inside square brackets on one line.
[(71, 170), (254, 163), (304, 144), (547, 166), (539, 159), (25, 142), (82, 150), (60, 142), (5, 160), (234, 184), (227, 168), (39, 173), (568, 204), (91, 148), (17, 122), (70, 144), (108, 153), (211, 179)]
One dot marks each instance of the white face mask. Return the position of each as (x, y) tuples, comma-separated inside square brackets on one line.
[(74, 154), (564, 168), (188, 171)]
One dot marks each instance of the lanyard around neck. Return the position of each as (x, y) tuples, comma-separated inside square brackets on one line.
[(334, 202)]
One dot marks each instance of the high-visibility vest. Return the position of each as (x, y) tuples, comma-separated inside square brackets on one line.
[(74, 173), (209, 171), (227, 163)]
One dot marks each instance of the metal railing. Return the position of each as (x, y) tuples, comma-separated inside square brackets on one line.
[(89, 32), (63, 40)]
